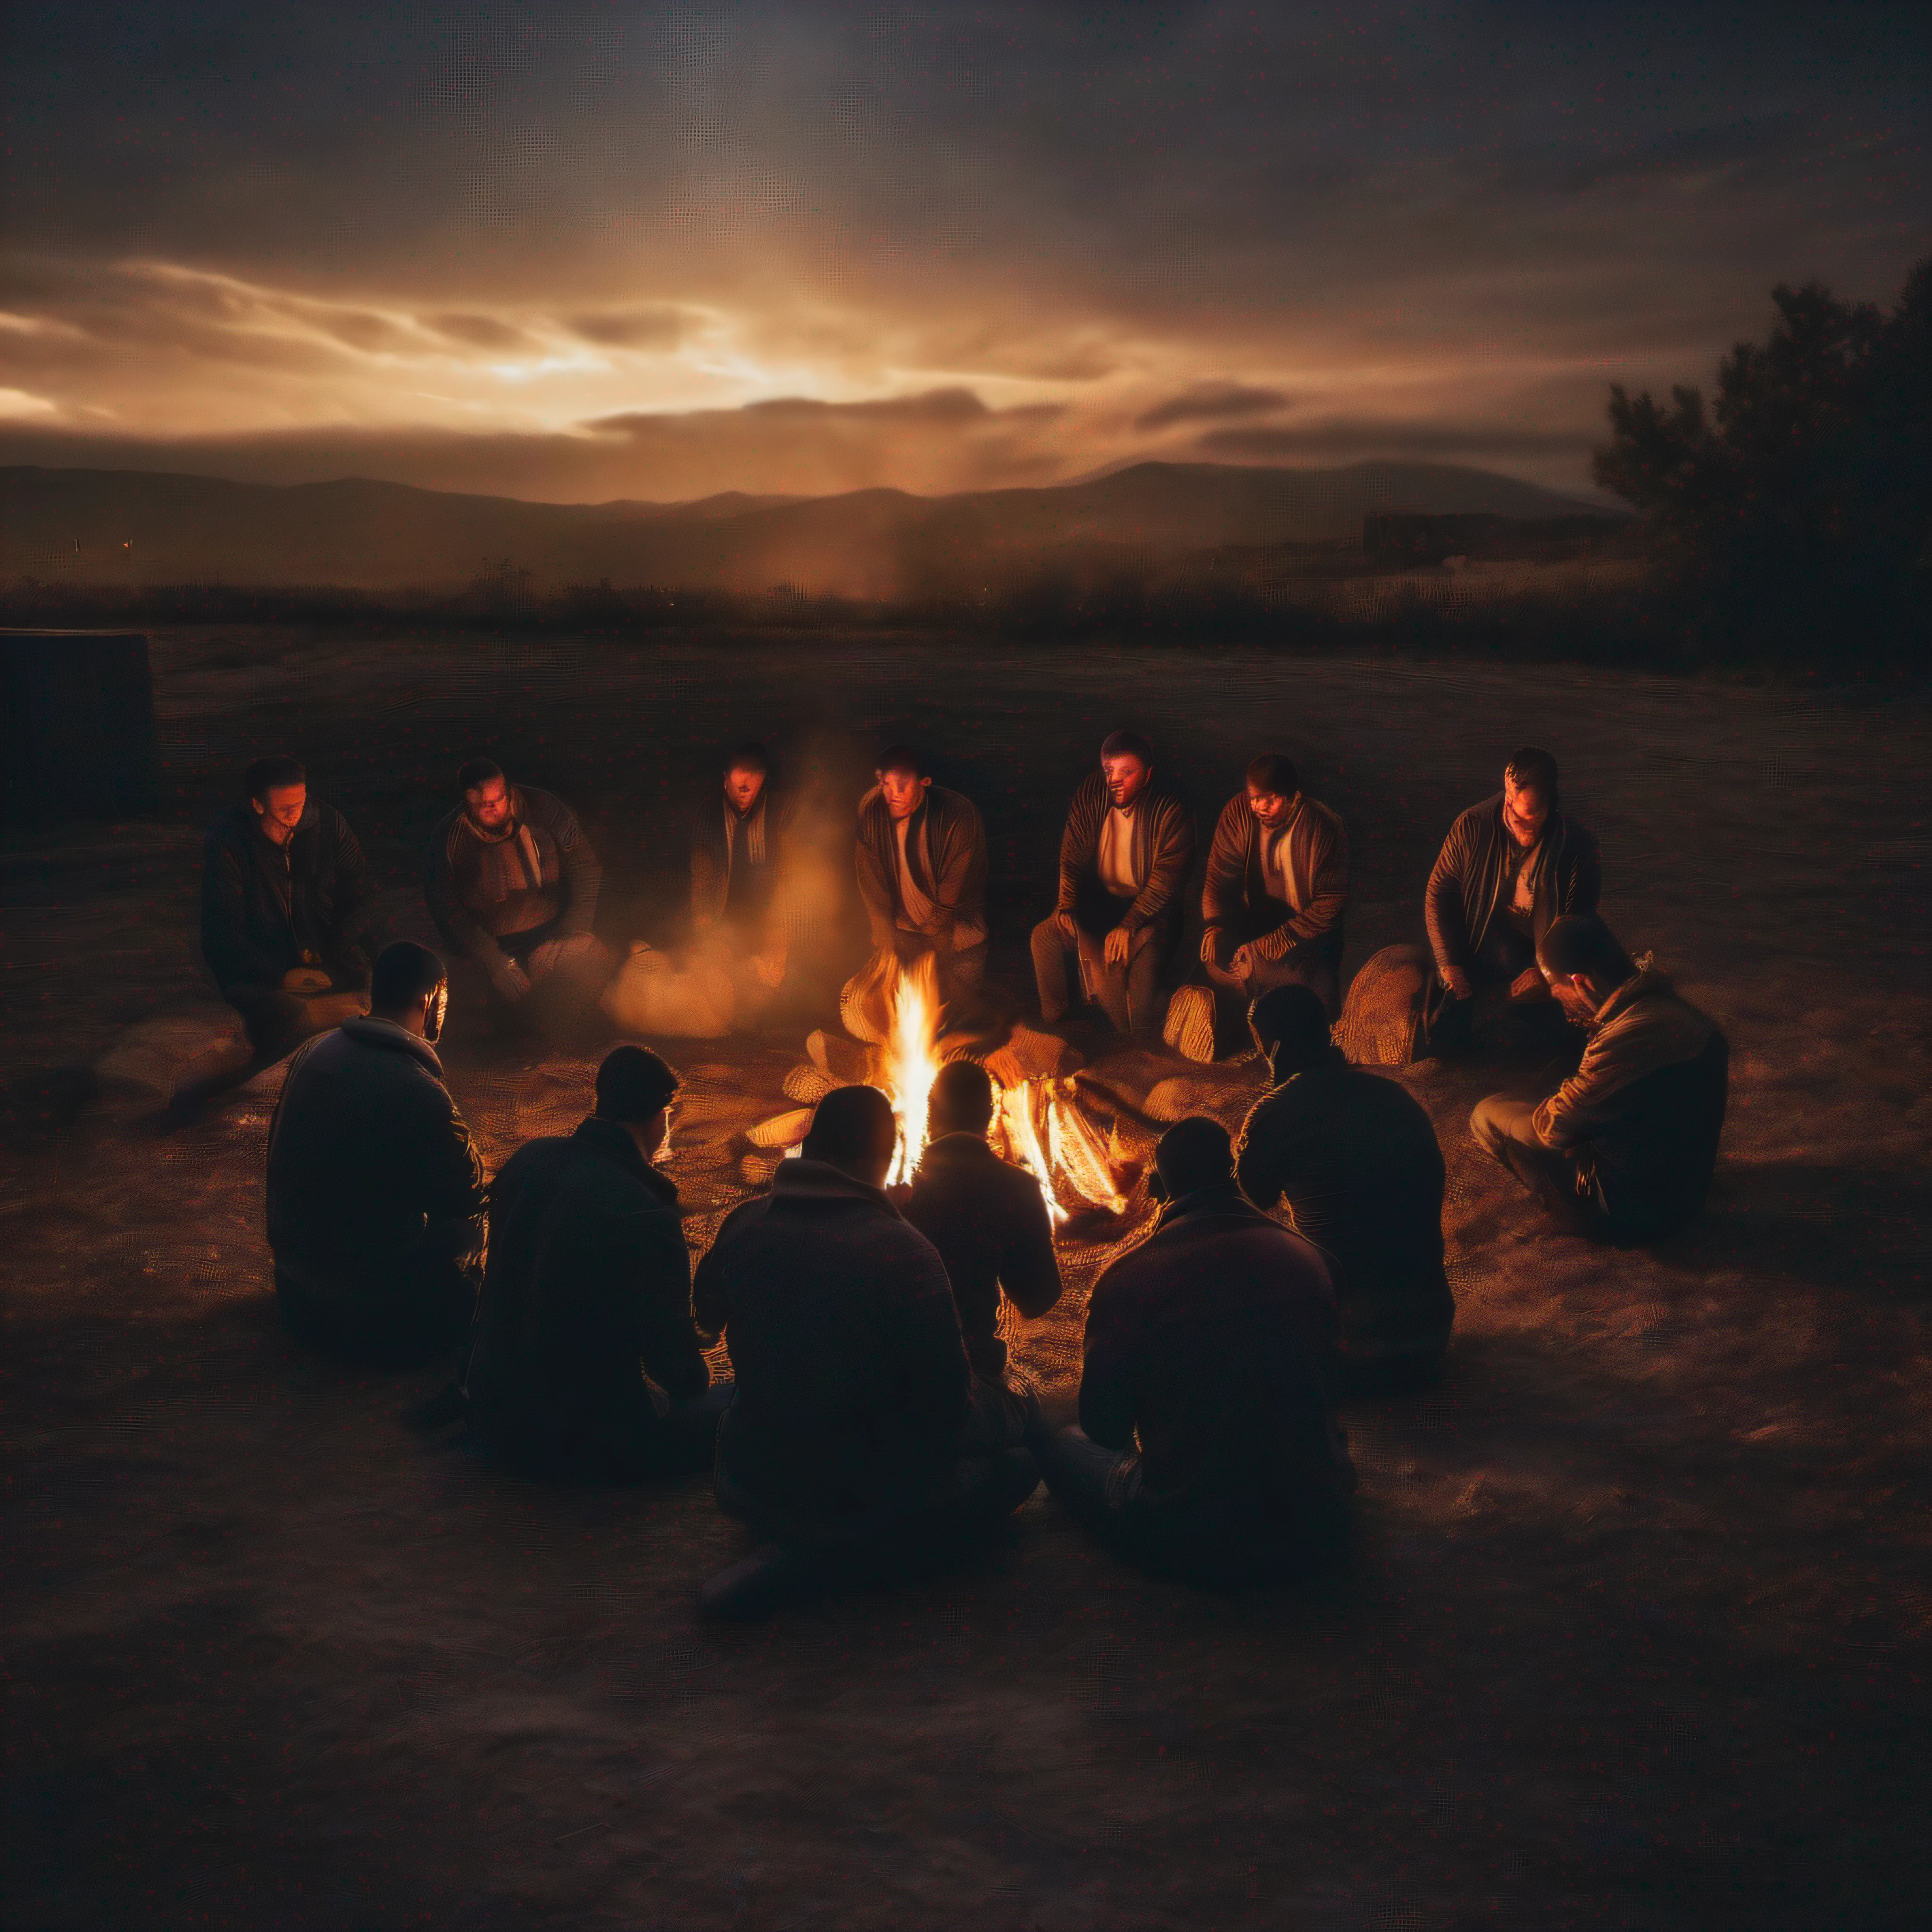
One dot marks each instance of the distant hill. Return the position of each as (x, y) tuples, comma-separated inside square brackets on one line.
[(138, 527)]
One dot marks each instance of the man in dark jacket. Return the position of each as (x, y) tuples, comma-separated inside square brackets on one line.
[(1356, 1159), (990, 1224), (512, 883), (1508, 868), (1124, 859), (284, 896), (854, 1391), (1208, 1448), (740, 855), (584, 1360), (375, 1193), (921, 857), (1624, 1151)]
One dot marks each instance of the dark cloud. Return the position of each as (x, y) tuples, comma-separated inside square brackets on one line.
[(481, 332), (635, 329), (1208, 402)]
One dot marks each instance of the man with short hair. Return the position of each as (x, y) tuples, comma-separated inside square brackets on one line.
[(1208, 1448), (1624, 1151), (1508, 868), (1277, 885), (988, 1220), (512, 883), (854, 1390), (1124, 859), (375, 1193), (1356, 1159), (584, 1360), (740, 854), (285, 895), (921, 857)]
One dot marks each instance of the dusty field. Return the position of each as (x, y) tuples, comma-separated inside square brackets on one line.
[(1636, 1630)]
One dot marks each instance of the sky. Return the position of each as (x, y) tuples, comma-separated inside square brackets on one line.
[(580, 252)]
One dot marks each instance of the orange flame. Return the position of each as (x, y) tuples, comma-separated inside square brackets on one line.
[(912, 1064)]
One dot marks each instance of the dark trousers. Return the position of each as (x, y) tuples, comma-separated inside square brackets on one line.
[(1066, 972), (405, 1317), (1100, 1489), (1505, 1130), (680, 1441)]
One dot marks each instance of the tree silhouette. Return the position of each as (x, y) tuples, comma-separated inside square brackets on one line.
[(1797, 510)]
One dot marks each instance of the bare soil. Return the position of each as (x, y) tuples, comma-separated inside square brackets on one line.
[(1634, 1632)]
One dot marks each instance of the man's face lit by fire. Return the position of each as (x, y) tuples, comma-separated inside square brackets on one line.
[(1271, 808), (905, 792), (1126, 778), (1525, 812), (489, 805), (742, 786), (282, 809)]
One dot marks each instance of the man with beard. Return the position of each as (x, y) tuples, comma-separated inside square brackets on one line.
[(1356, 1159), (1624, 1151), (512, 883), (1509, 867), (739, 851), (375, 1193), (585, 1361), (1272, 903), (285, 894), (1123, 858), (921, 857)]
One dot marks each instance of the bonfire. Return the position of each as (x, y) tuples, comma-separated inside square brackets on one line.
[(899, 1044)]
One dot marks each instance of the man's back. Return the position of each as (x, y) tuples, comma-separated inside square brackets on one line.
[(1207, 1344), (367, 1149), (1358, 1160), (990, 1224), (852, 1380), (587, 1291)]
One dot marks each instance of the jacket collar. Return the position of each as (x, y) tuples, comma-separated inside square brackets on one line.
[(1225, 1199), (1646, 981), (395, 1039), (612, 1140), (802, 1183), (1329, 1056), (960, 1145)]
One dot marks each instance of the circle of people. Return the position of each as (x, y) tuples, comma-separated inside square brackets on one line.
[(872, 1410)]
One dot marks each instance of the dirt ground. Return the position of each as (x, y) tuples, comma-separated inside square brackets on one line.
[(1635, 1630)]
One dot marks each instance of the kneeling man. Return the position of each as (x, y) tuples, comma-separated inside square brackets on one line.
[(585, 1360), (848, 1428), (1208, 1448), (512, 883), (740, 854), (1624, 1149), (375, 1191), (1123, 858), (1356, 1160)]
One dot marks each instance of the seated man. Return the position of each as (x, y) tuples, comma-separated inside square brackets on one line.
[(512, 883), (922, 864), (284, 893), (1207, 1449), (739, 851), (1624, 1151), (375, 1191), (584, 1360), (1277, 882), (1357, 1160), (1124, 859), (1508, 867), (854, 1393), (989, 1222)]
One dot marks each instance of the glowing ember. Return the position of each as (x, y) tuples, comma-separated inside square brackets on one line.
[(912, 1064)]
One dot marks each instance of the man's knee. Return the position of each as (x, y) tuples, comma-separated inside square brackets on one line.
[(1498, 1120)]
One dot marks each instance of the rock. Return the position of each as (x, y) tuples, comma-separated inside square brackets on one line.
[(810, 1084), (782, 1130), (1381, 1022), (849, 1065), (151, 1058)]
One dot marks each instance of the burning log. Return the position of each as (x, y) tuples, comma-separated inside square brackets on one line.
[(848, 1065), (781, 1130), (808, 1085)]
